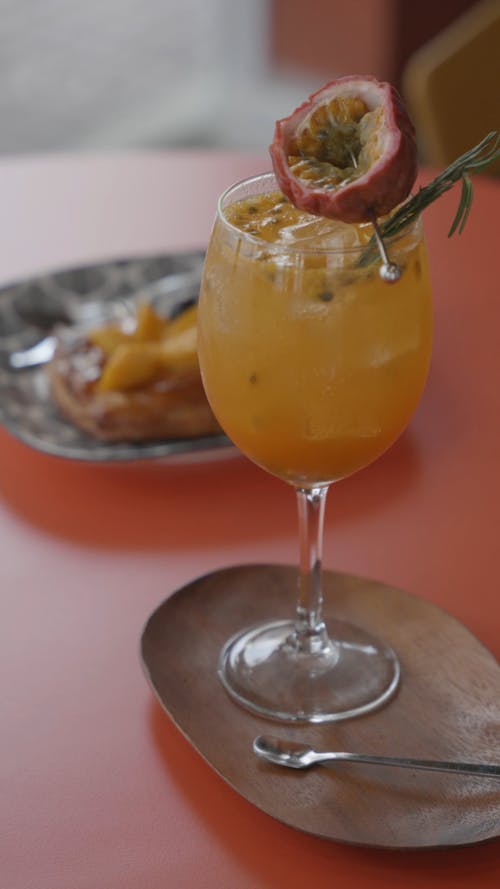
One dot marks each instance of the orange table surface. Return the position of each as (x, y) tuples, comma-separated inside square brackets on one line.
[(99, 790)]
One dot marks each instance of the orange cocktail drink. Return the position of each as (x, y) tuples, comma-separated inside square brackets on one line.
[(312, 364)]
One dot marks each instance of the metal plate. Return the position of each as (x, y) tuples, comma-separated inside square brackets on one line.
[(26, 406)]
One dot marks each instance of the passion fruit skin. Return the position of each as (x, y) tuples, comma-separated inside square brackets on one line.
[(376, 191)]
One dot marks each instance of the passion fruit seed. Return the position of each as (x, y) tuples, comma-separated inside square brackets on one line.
[(327, 146)]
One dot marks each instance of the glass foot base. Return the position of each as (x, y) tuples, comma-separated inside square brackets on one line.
[(265, 670)]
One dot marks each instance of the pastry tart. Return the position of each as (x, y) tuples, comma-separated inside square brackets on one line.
[(135, 380)]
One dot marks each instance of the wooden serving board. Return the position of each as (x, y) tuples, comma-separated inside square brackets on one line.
[(447, 707)]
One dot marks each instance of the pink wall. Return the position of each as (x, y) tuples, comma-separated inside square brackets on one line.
[(333, 37)]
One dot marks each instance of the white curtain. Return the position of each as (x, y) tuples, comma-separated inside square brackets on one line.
[(136, 73)]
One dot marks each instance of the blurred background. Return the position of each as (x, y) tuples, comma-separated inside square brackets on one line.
[(122, 74)]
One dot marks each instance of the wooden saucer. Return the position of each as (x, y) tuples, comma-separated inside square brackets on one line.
[(448, 707)]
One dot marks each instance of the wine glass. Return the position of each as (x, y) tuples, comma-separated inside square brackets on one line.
[(313, 366)]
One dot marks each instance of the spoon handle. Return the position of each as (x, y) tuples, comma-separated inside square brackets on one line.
[(433, 765)]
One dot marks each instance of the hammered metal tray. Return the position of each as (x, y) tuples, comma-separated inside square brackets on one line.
[(26, 407)]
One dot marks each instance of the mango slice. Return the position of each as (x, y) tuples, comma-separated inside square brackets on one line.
[(179, 351), (149, 324), (131, 365), (155, 349), (186, 319)]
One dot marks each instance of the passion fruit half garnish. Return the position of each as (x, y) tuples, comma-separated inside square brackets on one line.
[(349, 152)]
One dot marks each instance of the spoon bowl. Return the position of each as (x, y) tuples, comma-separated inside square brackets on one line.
[(291, 754)]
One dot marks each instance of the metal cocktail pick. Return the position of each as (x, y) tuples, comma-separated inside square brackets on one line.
[(389, 271)]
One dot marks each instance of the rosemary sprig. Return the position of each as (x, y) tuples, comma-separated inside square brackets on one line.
[(473, 161)]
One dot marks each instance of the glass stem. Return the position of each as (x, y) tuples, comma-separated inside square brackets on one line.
[(310, 632)]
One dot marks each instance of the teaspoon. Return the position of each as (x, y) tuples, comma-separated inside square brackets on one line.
[(300, 756)]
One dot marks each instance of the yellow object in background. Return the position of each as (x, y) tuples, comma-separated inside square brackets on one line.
[(452, 85)]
